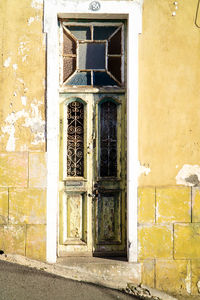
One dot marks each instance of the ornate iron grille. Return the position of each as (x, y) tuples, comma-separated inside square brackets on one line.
[(108, 139), (75, 139)]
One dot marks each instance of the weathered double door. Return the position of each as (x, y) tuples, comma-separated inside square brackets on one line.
[(92, 190), (92, 176)]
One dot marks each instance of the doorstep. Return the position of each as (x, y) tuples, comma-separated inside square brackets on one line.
[(113, 273)]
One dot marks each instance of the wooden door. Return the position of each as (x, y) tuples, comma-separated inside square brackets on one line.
[(92, 193), (76, 173), (110, 177)]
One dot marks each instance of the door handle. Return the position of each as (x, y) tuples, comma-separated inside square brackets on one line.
[(92, 195)]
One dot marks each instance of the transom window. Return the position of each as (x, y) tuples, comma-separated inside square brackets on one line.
[(93, 54)]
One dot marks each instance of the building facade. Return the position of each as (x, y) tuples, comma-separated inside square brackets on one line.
[(101, 156)]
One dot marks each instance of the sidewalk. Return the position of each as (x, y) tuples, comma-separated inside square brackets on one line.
[(109, 273), (18, 282)]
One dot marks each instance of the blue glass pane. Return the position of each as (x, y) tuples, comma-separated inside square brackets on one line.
[(102, 78), (103, 33), (82, 78), (91, 56), (80, 32)]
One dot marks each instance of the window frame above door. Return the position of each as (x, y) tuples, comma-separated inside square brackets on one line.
[(132, 12), (90, 23)]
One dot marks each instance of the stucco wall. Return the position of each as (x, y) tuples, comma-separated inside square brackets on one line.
[(169, 146), (22, 128), (169, 115)]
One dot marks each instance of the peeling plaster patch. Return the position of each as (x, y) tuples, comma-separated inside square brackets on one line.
[(20, 80), (188, 278), (15, 66), (24, 58), (22, 89), (157, 211), (36, 124), (23, 47), (143, 169), (23, 99), (189, 175), (30, 20), (33, 120), (176, 166), (9, 128), (37, 4), (7, 62), (11, 141)]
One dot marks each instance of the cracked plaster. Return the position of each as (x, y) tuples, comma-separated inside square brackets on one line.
[(32, 120)]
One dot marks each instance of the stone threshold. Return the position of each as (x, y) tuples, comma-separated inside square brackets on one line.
[(112, 273)]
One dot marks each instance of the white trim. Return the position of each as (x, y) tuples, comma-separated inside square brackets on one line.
[(132, 132), (131, 10)]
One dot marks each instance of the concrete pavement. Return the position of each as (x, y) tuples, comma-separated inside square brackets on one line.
[(99, 271), (18, 282)]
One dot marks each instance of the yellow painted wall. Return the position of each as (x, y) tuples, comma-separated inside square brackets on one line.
[(22, 129), (169, 142), (169, 76)]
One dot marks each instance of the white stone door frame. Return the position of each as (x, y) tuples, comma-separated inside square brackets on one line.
[(132, 11)]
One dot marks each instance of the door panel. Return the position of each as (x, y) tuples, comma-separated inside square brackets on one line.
[(108, 218), (109, 176), (74, 215), (75, 224)]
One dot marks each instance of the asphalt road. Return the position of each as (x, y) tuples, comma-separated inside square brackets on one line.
[(22, 283)]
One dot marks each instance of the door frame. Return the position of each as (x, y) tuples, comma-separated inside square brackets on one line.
[(54, 9)]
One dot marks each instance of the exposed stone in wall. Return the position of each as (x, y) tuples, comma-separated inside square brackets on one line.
[(169, 238)]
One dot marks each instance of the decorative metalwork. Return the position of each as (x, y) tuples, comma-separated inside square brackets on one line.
[(75, 139), (108, 139)]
